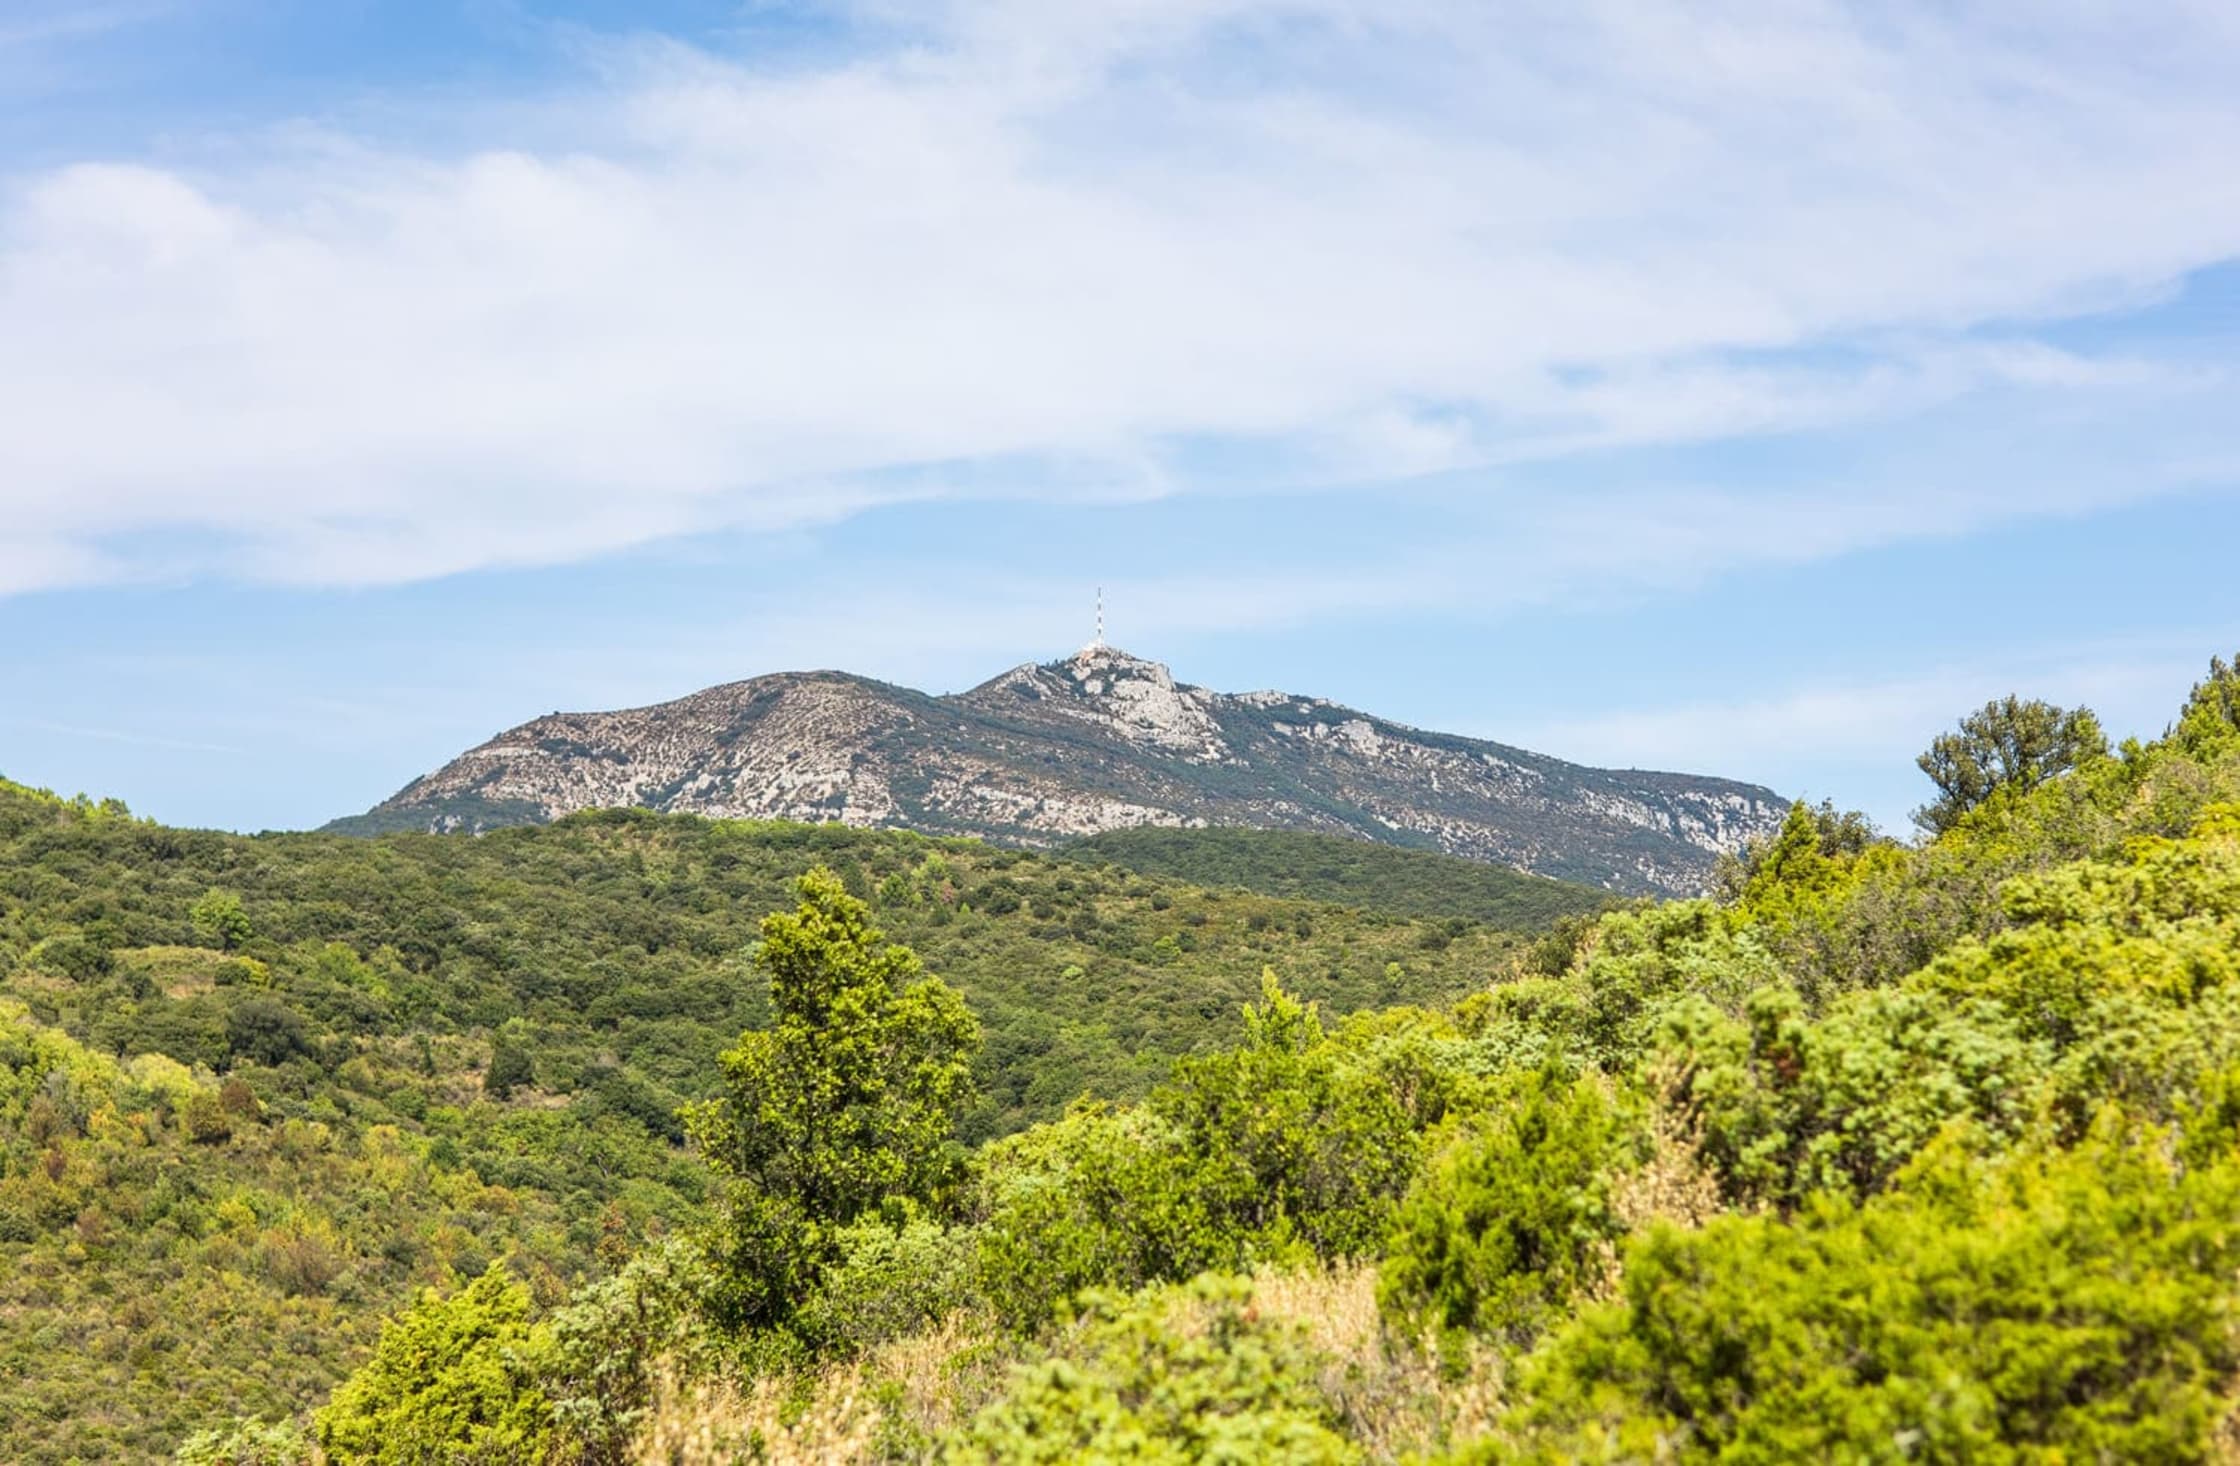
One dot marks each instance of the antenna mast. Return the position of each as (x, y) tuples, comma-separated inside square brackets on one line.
[(1100, 618)]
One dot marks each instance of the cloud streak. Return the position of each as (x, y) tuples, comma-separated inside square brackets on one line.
[(1021, 249), (1863, 735)]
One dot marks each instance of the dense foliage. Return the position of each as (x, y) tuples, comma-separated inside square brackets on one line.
[(2008, 744), (1887, 1152), (1313, 867), (257, 1093), (2051, 1305), (845, 1105)]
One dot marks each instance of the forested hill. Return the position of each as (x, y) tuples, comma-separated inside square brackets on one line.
[(1097, 741), (1888, 1151), (254, 1090), (1885, 1150), (1309, 867)]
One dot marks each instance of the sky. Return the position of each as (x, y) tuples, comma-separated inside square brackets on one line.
[(1732, 386)]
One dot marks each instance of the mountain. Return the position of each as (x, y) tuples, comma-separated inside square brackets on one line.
[(1102, 740)]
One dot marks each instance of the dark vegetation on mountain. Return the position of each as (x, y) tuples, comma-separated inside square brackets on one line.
[(254, 1090), (1887, 1151), (1095, 742), (1308, 867)]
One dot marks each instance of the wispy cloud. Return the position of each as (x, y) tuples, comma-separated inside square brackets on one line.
[(1856, 739), (1021, 248), (36, 24), (123, 736), (45, 44)]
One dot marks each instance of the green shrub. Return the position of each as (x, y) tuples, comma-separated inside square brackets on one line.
[(1514, 1221), (607, 1343), (452, 1380), (220, 921), (887, 1279), (2074, 1306), (1177, 1375), (1293, 1139), (246, 1443), (1787, 1107), (1105, 1197), (206, 1119), (265, 1031), (1290, 1145), (511, 1068)]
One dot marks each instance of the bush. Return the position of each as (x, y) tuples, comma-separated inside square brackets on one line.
[(1515, 1221), (608, 1343), (206, 1119), (887, 1279), (452, 1379), (246, 1443), (219, 920), (1192, 1373), (266, 1031), (1291, 1145), (510, 1068), (1787, 1107), (1294, 1141), (1100, 1198), (2075, 1306)]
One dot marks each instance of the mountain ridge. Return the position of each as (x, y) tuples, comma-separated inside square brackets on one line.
[(1049, 752)]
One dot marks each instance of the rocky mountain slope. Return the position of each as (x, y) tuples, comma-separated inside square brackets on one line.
[(1099, 741)]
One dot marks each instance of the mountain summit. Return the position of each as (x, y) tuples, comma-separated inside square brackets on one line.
[(1100, 740)]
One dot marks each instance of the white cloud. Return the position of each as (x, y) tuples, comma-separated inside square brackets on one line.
[(1026, 243), (1855, 741)]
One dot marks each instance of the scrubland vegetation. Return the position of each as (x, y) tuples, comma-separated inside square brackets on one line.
[(1315, 867), (254, 1093), (1886, 1151)]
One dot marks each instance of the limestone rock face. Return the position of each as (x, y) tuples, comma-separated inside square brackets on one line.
[(1126, 697), (1097, 741)]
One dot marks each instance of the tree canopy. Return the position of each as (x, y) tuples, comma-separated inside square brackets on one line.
[(846, 1103), (2008, 743)]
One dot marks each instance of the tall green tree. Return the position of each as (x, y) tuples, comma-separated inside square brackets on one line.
[(220, 921), (845, 1106), (2008, 743), (511, 1067), (2210, 719)]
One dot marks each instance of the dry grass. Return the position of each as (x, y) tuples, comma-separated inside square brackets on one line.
[(711, 1422), (1394, 1397), (1674, 1185), (2224, 1445), (889, 1405)]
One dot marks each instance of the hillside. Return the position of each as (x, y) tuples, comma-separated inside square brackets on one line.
[(1308, 867), (1890, 1151), (399, 1117), (253, 1091), (1096, 742)]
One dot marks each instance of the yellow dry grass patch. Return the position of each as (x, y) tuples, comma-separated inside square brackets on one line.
[(1394, 1397), (180, 972)]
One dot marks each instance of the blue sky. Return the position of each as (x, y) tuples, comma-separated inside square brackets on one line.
[(1732, 387)]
